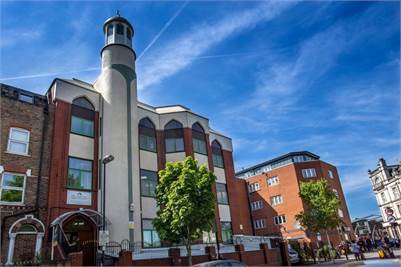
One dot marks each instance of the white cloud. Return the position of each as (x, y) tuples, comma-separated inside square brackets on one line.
[(179, 53)]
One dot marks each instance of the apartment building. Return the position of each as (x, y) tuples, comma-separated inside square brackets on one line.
[(273, 188), (25, 130), (386, 183)]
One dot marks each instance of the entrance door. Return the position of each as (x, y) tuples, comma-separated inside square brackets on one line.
[(81, 234)]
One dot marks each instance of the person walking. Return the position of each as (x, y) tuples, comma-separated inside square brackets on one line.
[(356, 250)]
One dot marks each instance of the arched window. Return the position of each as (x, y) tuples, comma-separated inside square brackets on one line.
[(198, 139), (174, 137), (129, 34), (120, 29), (147, 135), (217, 155), (82, 117), (83, 102), (110, 30)]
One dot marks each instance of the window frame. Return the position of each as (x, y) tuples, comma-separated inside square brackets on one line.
[(217, 194), (81, 121), (259, 223), (68, 169), (309, 173), (140, 177), (253, 187), (331, 174), (214, 147), (230, 241), (174, 131), (13, 188), (152, 231), (280, 219), (110, 27), (142, 131), (18, 141), (120, 26), (273, 178), (274, 202), (256, 205), (199, 136)]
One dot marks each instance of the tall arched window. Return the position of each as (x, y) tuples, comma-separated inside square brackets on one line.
[(147, 135), (110, 30), (82, 117), (120, 29), (198, 139), (217, 154), (129, 34), (174, 137)]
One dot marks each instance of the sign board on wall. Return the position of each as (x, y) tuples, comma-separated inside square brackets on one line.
[(79, 197)]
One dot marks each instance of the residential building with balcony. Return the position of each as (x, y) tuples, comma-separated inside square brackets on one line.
[(386, 184), (273, 188)]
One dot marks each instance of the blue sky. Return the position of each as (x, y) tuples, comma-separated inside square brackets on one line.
[(275, 76)]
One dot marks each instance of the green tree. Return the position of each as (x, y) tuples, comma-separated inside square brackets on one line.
[(186, 202), (321, 213)]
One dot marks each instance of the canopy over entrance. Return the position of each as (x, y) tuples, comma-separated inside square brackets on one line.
[(95, 216)]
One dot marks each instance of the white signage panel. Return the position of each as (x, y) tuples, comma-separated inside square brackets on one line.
[(79, 197)]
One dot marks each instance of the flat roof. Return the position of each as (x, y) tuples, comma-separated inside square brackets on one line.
[(295, 153)]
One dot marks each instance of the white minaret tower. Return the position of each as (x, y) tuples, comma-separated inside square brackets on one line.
[(119, 133)]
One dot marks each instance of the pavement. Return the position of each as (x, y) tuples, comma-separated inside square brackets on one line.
[(371, 259)]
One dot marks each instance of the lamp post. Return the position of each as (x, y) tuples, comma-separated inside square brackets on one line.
[(106, 159)]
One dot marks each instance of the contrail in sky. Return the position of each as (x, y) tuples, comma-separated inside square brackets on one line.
[(168, 23)]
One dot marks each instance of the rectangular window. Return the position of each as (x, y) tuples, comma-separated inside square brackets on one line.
[(150, 237), (222, 197), (275, 200), (259, 224), (272, 181), (280, 220), (226, 232), (26, 98), (331, 175), (383, 197), (308, 173), (217, 161), (199, 146), (79, 174), (81, 126), (253, 187), (18, 141), (340, 213), (256, 205), (12, 188), (148, 183), (147, 142), (174, 145), (396, 192), (335, 192)]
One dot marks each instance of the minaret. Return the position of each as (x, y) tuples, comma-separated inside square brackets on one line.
[(119, 134)]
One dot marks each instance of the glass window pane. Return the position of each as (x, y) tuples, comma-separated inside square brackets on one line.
[(9, 195), (148, 183), (81, 126), (75, 124), (87, 128), (120, 29), (179, 144), (18, 147), (13, 180), (19, 135), (147, 238), (155, 239), (170, 145), (109, 30), (80, 164)]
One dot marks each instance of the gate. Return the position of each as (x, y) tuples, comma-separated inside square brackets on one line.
[(89, 251)]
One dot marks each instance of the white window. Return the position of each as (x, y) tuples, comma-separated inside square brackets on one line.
[(275, 200), (383, 197), (298, 159), (12, 188), (308, 173), (335, 192), (340, 213), (331, 175), (396, 192), (253, 187), (272, 181), (259, 224), (256, 205), (279, 219), (18, 141)]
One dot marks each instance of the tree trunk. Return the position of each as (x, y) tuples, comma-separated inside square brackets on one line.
[(329, 244), (189, 249)]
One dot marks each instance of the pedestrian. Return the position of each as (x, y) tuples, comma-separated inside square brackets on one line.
[(369, 244), (356, 250)]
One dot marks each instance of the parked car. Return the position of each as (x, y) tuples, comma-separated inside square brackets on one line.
[(221, 263), (293, 255)]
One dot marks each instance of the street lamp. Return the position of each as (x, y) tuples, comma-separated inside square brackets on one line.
[(106, 159)]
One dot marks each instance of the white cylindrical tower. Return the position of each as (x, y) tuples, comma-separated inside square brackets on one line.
[(119, 133)]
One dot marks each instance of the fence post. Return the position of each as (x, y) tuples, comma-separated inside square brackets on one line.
[(285, 257), (241, 252), (174, 254), (265, 247), (76, 258), (125, 258), (210, 251)]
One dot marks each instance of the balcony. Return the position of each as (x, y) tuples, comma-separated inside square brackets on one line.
[(378, 186)]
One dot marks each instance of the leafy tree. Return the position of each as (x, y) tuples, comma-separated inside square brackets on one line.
[(186, 202), (321, 213)]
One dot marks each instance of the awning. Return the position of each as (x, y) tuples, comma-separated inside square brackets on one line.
[(95, 216)]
